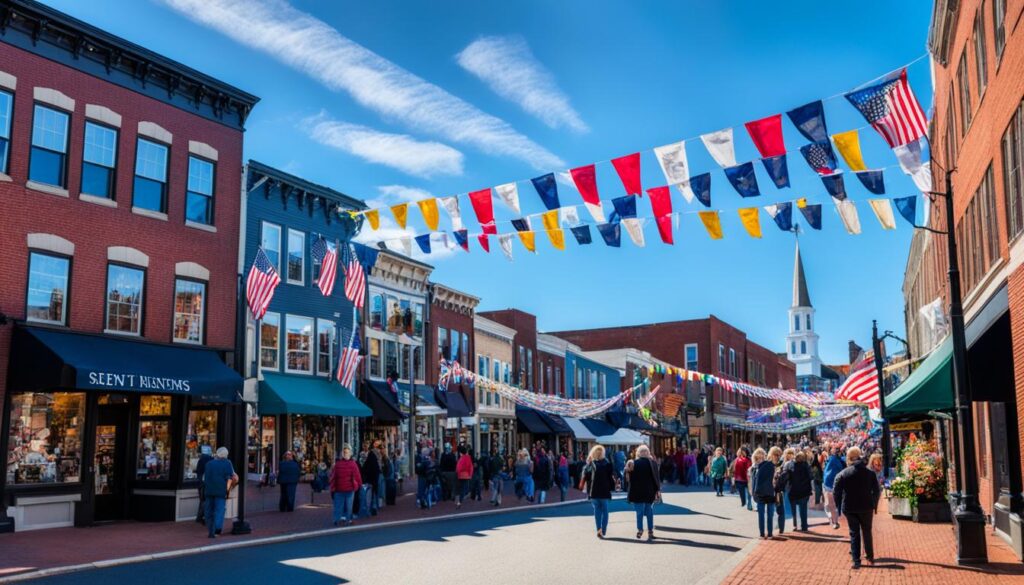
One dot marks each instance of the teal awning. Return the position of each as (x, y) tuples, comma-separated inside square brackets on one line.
[(281, 394), (929, 388)]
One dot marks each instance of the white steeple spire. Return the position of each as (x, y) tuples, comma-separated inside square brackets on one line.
[(802, 341)]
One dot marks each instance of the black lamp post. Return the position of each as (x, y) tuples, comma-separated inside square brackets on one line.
[(876, 345)]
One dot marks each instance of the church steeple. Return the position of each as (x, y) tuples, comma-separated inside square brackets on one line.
[(801, 298), (802, 341)]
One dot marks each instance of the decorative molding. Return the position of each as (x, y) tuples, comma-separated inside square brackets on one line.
[(103, 114), (127, 255), (8, 81), (49, 189), (154, 131), (53, 98), (202, 149), (51, 243), (97, 200), (192, 270)]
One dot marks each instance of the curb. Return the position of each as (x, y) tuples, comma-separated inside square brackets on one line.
[(719, 574), (50, 572)]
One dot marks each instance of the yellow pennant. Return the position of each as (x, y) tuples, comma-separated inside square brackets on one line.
[(401, 213), (550, 219), (711, 223), (557, 237), (848, 144), (751, 220), (373, 216), (529, 241), (429, 209), (801, 202)]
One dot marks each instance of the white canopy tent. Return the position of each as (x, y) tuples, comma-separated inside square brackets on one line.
[(623, 437), (581, 432)]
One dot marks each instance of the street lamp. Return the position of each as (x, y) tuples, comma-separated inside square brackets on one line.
[(876, 345)]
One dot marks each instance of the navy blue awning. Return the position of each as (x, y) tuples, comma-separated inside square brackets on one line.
[(51, 359), (598, 427), (558, 426), (382, 401), (457, 406), (530, 421)]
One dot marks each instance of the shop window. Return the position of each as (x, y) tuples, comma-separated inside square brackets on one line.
[(124, 299), (47, 288), (313, 443), (199, 198), (154, 463), (99, 160), (375, 359), (49, 154), (201, 433), (296, 256), (407, 318), (395, 321), (189, 305), (6, 101), (299, 344), (377, 311), (150, 186), (44, 441), (417, 319), (270, 241), (324, 347), (270, 340)]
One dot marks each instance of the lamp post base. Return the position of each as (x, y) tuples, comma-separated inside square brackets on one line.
[(240, 527), (971, 548)]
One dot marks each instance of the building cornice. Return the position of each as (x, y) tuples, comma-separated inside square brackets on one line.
[(493, 328), (401, 272), (942, 28), (454, 300), (555, 345)]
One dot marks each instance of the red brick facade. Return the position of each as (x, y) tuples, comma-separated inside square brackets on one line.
[(452, 311), (525, 325)]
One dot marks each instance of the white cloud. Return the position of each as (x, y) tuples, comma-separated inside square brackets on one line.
[(315, 48), (509, 68), (399, 151), (392, 194)]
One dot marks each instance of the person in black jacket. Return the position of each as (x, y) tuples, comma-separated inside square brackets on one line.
[(856, 491), (762, 487), (796, 478), (288, 479), (644, 489), (370, 472), (446, 466), (599, 480)]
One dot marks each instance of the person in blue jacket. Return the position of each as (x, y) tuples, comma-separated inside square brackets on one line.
[(218, 479), (833, 466), (288, 479)]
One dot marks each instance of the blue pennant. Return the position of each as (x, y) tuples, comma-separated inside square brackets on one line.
[(777, 170), (461, 238), (367, 256), (743, 179), (812, 213), (424, 243), (784, 216), (612, 233), (907, 207), (809, 119), (820, 157), (834, 185), (522, 224), (625, 206), (872, 181), (582, 233), (547, 189), (701, 187)]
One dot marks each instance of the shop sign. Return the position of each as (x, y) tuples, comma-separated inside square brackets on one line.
[(911, 426), (124, 381)]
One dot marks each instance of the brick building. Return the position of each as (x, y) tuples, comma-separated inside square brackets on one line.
[(977, 54), (524, 357), (119, 216), (450, 334)]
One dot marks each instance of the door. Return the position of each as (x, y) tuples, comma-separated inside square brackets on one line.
[(110, 471)]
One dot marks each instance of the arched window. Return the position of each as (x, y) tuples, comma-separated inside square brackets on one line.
[(803, 347)]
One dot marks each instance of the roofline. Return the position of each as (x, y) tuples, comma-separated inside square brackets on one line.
[(493, 327), (303, 184), (404, 258)]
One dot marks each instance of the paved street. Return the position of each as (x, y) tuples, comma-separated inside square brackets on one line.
[(516, 547)]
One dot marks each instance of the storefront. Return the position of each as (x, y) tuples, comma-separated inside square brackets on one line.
[(497, 434), (100, 429), (387, 421)]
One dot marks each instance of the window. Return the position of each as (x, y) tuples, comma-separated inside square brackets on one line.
[(442, 343), (47, 288), (6, 102), (691, 357), (454, 346), (396, 320), (980, 56), (324, 346), (150, 187), (298, 344), (417, 319), (803, 347), (999, 25), (978, 235), (199, 198), (465, 348), (377, 311), (154, 462), (189, 304), (44, 441), (270, 340), (296, 256), (807, 321), (375, 363), (963, 86), (1013, 173), (529, 369), (732, 362), (792, 348), (558, 380), (481, 366), (99, 159), (124, 299), (721, 358), (951, 145), (497, 371), (270, 241), (48, 161), (602, 388), (521, 371), (201, 434), (796, 322), (507, 378), (391, 360)]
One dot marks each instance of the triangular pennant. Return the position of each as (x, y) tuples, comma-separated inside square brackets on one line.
[(782, 213), (635, 228), (462, 238), (505, 241), (431, 217), (848, 213), (907, 207), (665, 228), (835, 185), (406, 245), (509, 195), (550, 219), (529, 240), (812, 213), (569, 216), (883, 211), (401, 213), (909, 156), (625, 206), (612, 233), (872, 180), (547, 188), (483, 206), (628, 168), (661, 201), (373, 216), (820, 157), (766, 134), (848, 145), (522, 224), (485, 243), (720, 147), (743, 179), (672, 159), (423, 242), (557, 237), (777, 170), (701, 186), (751, 219), (582, 234), (451, 206), (586, 183), (809, 119), (712, 223)]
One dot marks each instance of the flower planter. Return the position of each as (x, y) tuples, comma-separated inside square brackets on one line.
[(900, 507), (932, 512)]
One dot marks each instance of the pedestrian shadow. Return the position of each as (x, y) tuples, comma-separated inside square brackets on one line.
[(988, 569), (676, 542), (804, 537), (697, 531), (665, 509)]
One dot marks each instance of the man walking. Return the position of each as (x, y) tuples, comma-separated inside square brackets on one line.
[(288, 479), (218, 479), (856, 492), (447, 468)]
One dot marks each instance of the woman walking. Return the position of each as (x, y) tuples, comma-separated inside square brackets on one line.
[(463, 475), (741, 477), (782, 507), (563, 476), (644, 489), (542, 475), (426, 475), (344, 481), (599, 483), (718, 467), (832, 468), (817, 475), (763, 489), (524, 475), (796, 477)]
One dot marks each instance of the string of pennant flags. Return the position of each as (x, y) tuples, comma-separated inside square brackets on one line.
[(887, 104)]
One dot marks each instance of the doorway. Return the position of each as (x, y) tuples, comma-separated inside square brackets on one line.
[(110, 459)]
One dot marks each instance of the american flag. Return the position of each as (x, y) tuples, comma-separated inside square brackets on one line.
[(820, 156), (862, 383), (328, 258), (349, 362), (355, 278), (892, 109), (260, 284)]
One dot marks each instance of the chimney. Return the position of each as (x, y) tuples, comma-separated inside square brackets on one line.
[(855, 351)]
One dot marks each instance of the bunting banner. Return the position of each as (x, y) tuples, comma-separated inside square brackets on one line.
[(550, 219), (665, 228), (872, 181), (509, 195), (701, 186), (766, 134), (401, 213), (751, 219), (569, 216), (431, 217), (835, 185), (907, 206), (406, 243), (848, 213), (674, 165), (612, 233), (661, 201), (801, 202), (635, 229), (628, 169), (782, 213), (812, 213), (547, 188), (505, 241), (373, 216), (522, 224), (792, 425), (720, 146), (557, 238), (451, 207), (909, 157), (423, 242), (625, 206), (462, 238), (529, 240), (485, 243), (712, 223), (809, 119), (819, 157), (586, 183), (848, 145), (777, 170), (883, 211), (582, 234), (892, 109), (483, 207), (743, 179)]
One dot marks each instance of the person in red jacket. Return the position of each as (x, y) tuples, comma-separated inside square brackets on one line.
[(344, 481), (740, 477), (464, 473)]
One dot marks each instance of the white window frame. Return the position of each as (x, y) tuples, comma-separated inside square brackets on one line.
[(263, 231), (312, 345), (287, 260), (696, 356), (330, 349), (259, 336), (142, 301), (732, 362), (202, 310), (67, 288)]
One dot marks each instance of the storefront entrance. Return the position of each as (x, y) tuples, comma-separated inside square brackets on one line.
[(110, 459)]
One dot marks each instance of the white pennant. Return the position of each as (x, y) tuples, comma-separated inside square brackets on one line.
[(509, 194), (883, 211), (672, 158), (596, 212), (451, 205), (570, 216), (911, 162), (635, 229), (848, 213), (720, 147), (406, 245), (444, 241), (505, 241), (772, 210)]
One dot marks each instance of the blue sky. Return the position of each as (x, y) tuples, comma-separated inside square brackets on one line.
[(445, 98)]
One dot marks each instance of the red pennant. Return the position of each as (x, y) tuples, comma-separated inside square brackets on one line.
[(484, 208), (490, 228), (664, 227), (484, 242), (767, 135), (661, 201), (586, 184), (628, 168)]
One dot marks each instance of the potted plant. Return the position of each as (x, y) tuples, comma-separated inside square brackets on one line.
[(901, 497), (922, 482)]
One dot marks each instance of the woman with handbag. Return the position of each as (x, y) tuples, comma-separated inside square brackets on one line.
[(644, 489), (599, 483)]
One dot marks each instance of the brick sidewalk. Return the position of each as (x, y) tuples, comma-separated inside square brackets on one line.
[(58, 547), (906, 553)]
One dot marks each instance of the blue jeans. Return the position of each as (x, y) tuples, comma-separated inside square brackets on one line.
[(741, 487), (600, 513), (527, 486), (765, 515), (800, 509), (641, 511), (342, 505), (215, 513), (780, 509), (422, 492)]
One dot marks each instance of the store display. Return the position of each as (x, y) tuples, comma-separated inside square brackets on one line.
[(313, 442), (201, 431), (45, 438), (103, 460), (154, 461)]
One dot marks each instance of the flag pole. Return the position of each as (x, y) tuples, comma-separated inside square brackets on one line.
[(240, 526)]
